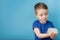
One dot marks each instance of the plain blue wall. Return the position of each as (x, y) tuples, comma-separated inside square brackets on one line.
[(17, 16)]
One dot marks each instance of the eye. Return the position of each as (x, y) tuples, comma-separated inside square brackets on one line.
[(41, 14), (46, 13)]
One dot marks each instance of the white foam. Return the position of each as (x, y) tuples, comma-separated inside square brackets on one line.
[(51, 30)]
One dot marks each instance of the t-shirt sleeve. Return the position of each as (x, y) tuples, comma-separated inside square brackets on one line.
[(35, 25)]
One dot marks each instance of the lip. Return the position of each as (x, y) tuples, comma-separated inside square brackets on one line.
[(44, 19)]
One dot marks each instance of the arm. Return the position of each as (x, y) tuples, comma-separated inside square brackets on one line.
[(40, 35)]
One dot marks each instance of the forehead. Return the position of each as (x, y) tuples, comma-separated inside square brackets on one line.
[(41, 10)]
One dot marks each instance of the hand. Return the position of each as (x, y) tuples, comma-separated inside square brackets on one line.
[(53, 35), (49, 34)]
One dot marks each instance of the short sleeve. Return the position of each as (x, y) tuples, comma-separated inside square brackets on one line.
[(35, 24)]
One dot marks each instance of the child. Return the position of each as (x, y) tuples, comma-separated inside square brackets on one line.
[(41, 25)]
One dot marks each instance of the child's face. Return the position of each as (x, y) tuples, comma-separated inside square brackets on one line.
[(42, 15)]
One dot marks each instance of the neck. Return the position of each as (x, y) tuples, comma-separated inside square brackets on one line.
[(42, 22)]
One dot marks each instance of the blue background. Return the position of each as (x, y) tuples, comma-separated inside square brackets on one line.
[(17, 16)]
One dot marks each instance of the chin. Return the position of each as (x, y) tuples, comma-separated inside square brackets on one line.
[(44, 21)]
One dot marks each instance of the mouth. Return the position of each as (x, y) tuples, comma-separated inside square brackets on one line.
[(44, 19)]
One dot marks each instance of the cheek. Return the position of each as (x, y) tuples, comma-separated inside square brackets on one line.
[(46, 16), (41, 18)]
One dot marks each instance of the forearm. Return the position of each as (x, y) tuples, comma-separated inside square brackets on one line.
[(42, 35)]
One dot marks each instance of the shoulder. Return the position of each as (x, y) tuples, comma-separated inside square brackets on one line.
[(35, 24), (49, 22), (36, 21)]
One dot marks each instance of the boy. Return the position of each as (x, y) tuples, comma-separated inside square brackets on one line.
[(41, 25)]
